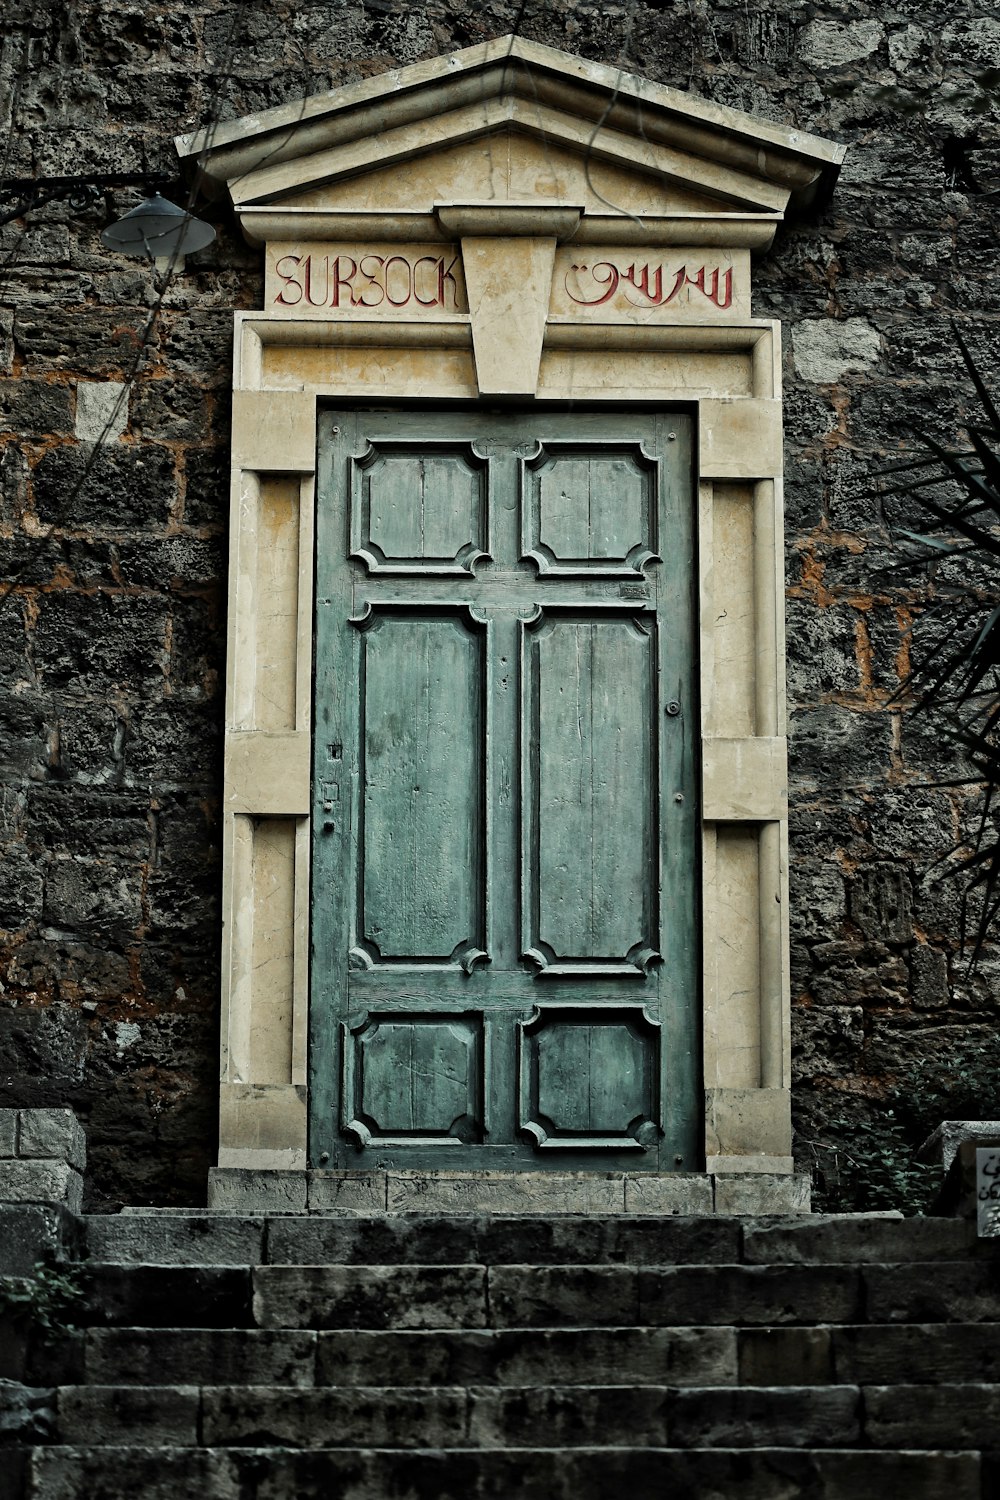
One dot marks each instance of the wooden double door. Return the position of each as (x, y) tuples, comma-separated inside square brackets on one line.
[(504, 877)]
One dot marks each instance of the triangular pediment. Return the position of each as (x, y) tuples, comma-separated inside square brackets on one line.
[(510, 122)]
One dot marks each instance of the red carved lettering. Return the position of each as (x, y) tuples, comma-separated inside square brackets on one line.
[(374, 285), (307, 265), (290, 279), (432, 261), (342, 279), (446, 275), (610, 278), (398, 260)]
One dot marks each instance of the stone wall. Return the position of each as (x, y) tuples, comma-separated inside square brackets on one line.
[(110, 629)]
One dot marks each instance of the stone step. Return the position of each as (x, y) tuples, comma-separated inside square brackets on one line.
[(898, 1416), (532, 1296), (182, 1238), (441, 1416), (349, 1357), (868, 1354), (543, 1473), (515, 1296)]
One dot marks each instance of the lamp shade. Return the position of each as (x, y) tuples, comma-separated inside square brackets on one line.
[(158, 228)]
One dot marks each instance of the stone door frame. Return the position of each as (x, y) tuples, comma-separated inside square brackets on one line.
[(528, 321)]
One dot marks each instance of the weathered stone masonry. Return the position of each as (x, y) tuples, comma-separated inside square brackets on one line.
[(110, 705)]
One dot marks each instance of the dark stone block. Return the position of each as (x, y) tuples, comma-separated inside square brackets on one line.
[(206, 487), (200, 1356), (30, 1233), (822, 651), (21, 887), (881, 903), (164, 1296), (749, 1295), (36, 407), (97, 898), (122, 485), (833, 747), (94, 341), (175, 563)]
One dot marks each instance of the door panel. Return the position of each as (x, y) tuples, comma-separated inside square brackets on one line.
[(589, 741), (421, 785), (504, 879)]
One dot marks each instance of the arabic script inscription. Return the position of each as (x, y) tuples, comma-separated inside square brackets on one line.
[(646, 285)]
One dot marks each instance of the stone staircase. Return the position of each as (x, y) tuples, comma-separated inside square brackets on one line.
[(427, 1357)]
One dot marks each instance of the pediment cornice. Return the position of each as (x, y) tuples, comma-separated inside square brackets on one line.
[(308, 162)]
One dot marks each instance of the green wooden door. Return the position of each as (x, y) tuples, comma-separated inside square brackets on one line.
[(504, 874)]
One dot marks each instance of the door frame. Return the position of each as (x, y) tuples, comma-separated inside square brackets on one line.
[(735, 394)]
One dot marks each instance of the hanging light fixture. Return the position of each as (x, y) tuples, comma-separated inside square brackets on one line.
[(159, 229)]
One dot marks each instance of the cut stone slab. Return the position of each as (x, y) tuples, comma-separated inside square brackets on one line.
[(40, 1181), (253, 1191), (942, 1145), (257, 1191), (370, 1296), (53, 1133), (30, 1233), (679, 1193), (763, 1193), (155, 1238), (529, 1357)]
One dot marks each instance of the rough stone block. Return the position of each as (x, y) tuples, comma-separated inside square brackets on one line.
[(54, 1133), (589, 1473), (565, 1416), (378, 1418), (794, 1417), (101, 410), (30, 1233), (27, 1416), (202, 1356), (41, 1182), (958, 1416), (153, 1238), (151, 1296), (8, 1132), (672, 1295), (154, 1472), (528, 1357), (257, 1192), (97, 1415), (880, 1355), (396, 1297), (785, 1356), (943, 1144), (762, 1193), (887, 1239), (531, 1296), (680, 1193), (933, 1292), (347, 1192)]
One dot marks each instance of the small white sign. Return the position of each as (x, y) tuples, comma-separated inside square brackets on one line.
[(988, 1192)]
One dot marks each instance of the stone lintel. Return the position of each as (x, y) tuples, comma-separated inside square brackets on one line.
[(270, 223)]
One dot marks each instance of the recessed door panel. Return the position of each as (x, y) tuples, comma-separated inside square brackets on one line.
[(421, 764), (503, 936), (591, 892)]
